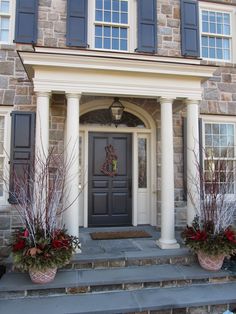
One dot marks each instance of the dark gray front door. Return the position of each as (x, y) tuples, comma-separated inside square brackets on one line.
[(110, 196)]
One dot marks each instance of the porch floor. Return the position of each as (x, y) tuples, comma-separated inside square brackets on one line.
[(124, 248)]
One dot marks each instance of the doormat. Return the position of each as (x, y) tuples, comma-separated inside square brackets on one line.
[(119, 235)]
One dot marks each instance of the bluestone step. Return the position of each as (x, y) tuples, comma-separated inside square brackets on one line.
[(70, 281), (124, 301)]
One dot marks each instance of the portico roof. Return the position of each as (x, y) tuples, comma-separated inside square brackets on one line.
[(111, 73)]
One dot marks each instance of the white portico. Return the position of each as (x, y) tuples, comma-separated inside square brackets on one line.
[(81, 72)]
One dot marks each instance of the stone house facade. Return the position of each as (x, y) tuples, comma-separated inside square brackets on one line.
[(142, 54)]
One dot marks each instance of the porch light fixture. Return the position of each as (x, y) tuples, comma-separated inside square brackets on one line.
[(116, 110)]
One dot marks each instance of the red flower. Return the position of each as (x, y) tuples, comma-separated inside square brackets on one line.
[(19, 245), (58, 244), (230, 235), (200, 235)]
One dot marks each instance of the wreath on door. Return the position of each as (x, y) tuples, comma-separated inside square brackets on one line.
[(109, 167)]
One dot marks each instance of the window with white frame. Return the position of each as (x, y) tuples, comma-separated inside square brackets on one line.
[(219, 157), (216, 34), (6, 17), (4, 152), (112, 25)]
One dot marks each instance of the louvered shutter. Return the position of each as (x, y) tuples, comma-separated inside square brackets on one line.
[(147, 26), (77, 16), (22, 150), (190, 28), (26, 21)]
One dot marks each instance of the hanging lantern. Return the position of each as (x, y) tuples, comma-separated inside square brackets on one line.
[(116, 110)]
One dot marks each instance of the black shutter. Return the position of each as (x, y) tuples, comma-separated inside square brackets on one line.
[(147, 26), (22, 150), (77, 16), (190, 28), (26, 21), (185, 148)]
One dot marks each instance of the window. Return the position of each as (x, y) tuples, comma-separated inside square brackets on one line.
[(216, 33), (142, 162), (6, 27), (219, 156), (112, 25), (4, 152)]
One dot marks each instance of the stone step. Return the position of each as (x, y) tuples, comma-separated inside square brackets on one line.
[(131, 258), (204, 299), (16, 285)]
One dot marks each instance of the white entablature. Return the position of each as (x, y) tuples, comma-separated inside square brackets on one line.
[(93, 73)]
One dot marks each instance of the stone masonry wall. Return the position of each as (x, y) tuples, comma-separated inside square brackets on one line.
[(219, 93)]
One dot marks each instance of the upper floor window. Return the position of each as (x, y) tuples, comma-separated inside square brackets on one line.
[(112, 25), (6, 21), (216, 32)]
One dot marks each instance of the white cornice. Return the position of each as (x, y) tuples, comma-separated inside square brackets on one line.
[(113, 62), (99, 73)]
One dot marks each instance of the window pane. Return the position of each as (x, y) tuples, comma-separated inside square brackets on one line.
[(107, 31), (124, 18), (205, 26), (98, 31), (107, 16), (124, 6), (5, 6), (99, 4), (123, 44), (107, 43), (115, 44), (142, 163), (98, 16), (4, 36), (107, 4), (115, 5), (115, 17), (115, 32), (98, 42)]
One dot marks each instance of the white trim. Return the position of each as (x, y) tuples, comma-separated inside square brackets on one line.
[(6, 111), (148, 132)]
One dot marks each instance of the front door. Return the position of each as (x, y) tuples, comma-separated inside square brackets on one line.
[(110, 179)]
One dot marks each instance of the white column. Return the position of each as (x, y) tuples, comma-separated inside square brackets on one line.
[(167, 240), (193, 195), (72, 162), (42, 125)]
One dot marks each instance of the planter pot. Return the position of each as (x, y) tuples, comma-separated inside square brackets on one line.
[(44, 276), (210, 262)]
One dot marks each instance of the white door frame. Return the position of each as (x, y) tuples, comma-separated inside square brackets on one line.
[(149, 131)]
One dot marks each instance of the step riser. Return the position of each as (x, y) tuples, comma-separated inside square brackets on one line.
[(177, 260), (114, 287), (206, 309)]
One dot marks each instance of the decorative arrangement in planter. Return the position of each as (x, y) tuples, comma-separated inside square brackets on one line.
[(211, 246), (42, 244), (211, 235), (42, 253)]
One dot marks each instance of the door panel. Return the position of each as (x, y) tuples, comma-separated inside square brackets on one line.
[(109, 199)]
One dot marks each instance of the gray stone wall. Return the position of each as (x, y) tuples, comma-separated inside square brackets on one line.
[(219, 92), (15, 88)]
